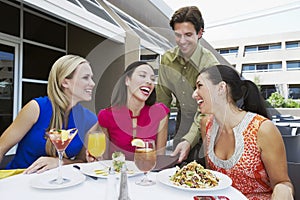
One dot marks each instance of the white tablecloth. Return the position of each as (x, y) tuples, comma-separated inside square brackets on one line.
[(19, 187)]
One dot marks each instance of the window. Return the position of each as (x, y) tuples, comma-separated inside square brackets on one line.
[(292, 44), (262, 67), (233, 50), (9, 19), (97, 10), (7, 59), (267, 90), (250, 48), (261, 48), (44, 30), (264, 47), (248, 68), (294, 91), (38, 61), (293, 65), (275, 46), (275, 66)]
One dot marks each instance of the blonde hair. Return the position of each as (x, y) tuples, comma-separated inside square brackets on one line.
[(63, 68)]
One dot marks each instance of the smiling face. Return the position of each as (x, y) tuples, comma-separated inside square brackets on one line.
[(80, 86), (205, 94), (141, 83), (186, 38)]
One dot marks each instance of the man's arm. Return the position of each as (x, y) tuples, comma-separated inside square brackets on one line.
[(190, 139), (163, 92), (194, 133)]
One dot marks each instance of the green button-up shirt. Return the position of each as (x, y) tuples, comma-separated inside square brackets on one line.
[(178, 77)]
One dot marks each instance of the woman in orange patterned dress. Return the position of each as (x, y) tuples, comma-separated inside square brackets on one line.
[(241, 141)]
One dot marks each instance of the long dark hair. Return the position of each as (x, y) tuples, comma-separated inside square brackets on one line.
[(239, 90), (119, 96)]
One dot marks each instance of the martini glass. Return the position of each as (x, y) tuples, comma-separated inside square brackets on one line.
[(61, 139)]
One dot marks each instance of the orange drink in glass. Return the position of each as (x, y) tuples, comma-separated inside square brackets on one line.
[(96, 143), (145, 160)]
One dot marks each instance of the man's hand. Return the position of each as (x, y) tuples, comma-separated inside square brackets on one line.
[(183, 149)]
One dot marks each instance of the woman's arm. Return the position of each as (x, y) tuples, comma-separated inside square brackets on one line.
[(273, 156), (203, 122), (161, 139), (26, 118), (45, 163)]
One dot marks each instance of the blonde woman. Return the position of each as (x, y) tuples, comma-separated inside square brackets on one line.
[(70, 82)]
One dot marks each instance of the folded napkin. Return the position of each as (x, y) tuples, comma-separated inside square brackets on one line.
[(10, 172)]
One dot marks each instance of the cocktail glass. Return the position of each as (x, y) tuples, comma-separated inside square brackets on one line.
[(61, 139)]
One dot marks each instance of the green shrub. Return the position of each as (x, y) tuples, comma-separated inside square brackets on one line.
[(276, 100), (291, 104)]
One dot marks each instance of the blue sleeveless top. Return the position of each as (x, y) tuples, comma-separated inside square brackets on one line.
[(33, 144)]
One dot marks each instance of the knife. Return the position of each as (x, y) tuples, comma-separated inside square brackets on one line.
[(77, 167)]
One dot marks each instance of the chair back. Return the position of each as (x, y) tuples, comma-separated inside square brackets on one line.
[(285, 130), (292, 147), (293, 170), (6, 159)]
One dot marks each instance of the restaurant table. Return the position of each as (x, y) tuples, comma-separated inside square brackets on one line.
[(20, 187)]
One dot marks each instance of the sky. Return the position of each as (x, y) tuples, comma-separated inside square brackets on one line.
[(244, 18)]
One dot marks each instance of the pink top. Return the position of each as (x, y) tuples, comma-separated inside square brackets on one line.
[(245, 167), (118, 122)]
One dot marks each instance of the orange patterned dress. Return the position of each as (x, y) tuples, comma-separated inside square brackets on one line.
[(245, 167)]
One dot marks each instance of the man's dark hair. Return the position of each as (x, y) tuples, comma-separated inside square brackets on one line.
[(188, 14)]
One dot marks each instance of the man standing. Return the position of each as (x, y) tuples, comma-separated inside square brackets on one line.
[(178, 72)]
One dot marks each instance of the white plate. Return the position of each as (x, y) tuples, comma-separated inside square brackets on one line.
[(164, 177), (42, 181), (89, 168)]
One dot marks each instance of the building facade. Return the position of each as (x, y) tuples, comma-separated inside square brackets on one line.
[(271, 61)]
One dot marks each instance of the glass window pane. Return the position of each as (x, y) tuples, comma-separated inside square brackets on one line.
[(275, 46), (9, 19), (261, 48), (233, 50), (125, 18), (250, 49), (263, 67), (275, 66), (224, 51), (293, 44), (267, 90), (248, 68), (294, 91), (44, 31), (96, 10), (32, 90), (292, 65), (6, 85), (38, 61)]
